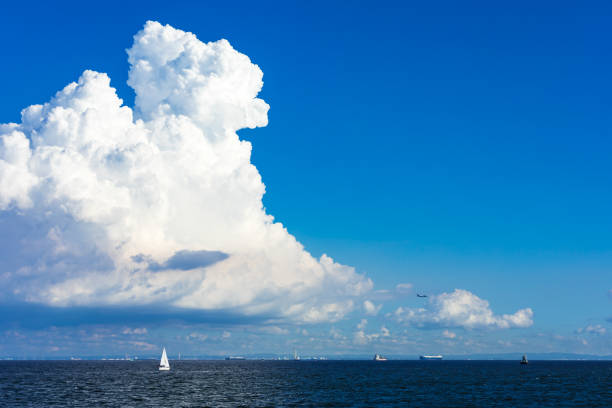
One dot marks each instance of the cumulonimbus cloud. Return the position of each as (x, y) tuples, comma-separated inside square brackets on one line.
[(108, 205), (461, 308)]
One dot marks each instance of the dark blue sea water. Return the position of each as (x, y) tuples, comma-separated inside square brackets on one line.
[(304, 383)]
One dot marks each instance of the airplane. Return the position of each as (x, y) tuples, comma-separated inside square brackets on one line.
[(421, 295)]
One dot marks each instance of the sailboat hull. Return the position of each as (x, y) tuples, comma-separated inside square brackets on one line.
[(164, 368)]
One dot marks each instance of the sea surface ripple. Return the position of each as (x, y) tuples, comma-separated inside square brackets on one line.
[(306, 383)]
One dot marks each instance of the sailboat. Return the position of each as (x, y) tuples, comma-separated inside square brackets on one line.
[(164, 365), (524, 360)]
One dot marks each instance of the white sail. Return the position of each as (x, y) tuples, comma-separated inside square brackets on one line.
[(164, 365)]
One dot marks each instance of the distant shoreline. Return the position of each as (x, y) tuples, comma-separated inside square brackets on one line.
[(532, 359)]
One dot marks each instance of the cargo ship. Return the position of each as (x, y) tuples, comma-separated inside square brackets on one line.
[(430, 357)]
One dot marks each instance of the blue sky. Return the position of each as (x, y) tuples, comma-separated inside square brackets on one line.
[(449, 146)]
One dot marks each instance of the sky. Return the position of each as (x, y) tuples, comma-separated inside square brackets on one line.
[(295, 186)]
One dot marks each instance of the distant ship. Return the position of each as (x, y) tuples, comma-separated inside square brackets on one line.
[(235, 358), (524, 360), (430, 357), (164, 365), (378, 357)]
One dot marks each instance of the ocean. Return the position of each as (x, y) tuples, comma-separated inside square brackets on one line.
[(306, 383)]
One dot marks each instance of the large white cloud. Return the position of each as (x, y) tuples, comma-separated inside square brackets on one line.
[(461, 308), (108, 205)]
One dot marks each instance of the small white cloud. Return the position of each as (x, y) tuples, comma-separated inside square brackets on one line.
[(403, 287), (558, 337), (14, 333), (137, 330), (197, 336), (143, 345), (461, 309), (592, 329), (335, 334), (360, 337), (272, 330), (370, 308), (449, 334), (362, 324)]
